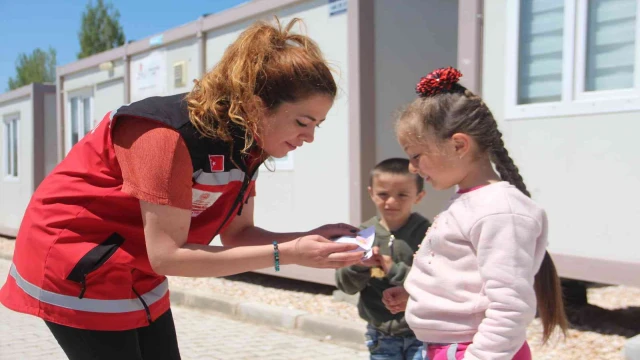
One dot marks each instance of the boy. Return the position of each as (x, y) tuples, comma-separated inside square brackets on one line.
[(399, 231)]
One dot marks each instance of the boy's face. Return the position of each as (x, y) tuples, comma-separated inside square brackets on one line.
[(394, 195)]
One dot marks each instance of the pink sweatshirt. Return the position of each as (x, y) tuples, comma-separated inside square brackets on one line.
[(472, 279)]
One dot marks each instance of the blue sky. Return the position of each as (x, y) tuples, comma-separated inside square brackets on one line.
[(28, 24)]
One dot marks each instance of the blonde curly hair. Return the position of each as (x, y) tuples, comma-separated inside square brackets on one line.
[(266, 61)]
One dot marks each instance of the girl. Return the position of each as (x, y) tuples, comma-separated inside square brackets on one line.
[(482, 266)]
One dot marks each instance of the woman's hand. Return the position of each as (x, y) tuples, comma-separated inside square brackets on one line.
[(318, 252), (395, 299), (331, 231)]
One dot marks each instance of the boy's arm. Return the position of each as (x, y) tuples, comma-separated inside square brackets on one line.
[(397, 273), (353, 279)]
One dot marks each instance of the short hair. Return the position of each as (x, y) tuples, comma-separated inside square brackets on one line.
[(397, 166)]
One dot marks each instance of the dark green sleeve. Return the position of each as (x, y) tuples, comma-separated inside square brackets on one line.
[(398, 273), (352, 279)]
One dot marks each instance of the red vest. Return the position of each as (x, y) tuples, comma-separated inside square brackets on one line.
[(80, 258)]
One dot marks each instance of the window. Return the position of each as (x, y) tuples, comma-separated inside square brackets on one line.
[(180, 74), (11, 146), (610, 44), (80, 117), (569, 57), (74, 120), (540, 53)]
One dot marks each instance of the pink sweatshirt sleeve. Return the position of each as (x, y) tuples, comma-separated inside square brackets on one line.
[(506, 246)]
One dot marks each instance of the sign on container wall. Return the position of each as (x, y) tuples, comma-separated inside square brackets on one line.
[(149, 75)]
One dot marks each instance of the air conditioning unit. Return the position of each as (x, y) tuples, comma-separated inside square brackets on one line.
[(180, 74)]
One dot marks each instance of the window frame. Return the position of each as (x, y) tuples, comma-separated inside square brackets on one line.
[(582, 21), (81, 95), (10, 122), (574, 100)]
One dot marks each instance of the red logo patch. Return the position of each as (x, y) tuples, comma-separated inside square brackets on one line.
[(216, 162)]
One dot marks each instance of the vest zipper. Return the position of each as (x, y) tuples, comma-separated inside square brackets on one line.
[(239, 199), (245, 185), (235, 203), (144, 304), (83, 285), (93, 260)]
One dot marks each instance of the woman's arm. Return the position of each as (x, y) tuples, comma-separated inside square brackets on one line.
[(242, 231), (166, 229)]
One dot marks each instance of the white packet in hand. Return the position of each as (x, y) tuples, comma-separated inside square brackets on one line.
[(364, 240)]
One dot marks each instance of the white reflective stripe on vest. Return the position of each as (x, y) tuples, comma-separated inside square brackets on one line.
[(91, 305), (220, 178)]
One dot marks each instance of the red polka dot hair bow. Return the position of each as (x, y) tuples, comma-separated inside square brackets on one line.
[(437, 81)]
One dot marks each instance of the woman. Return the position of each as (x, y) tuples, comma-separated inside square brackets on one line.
[(142, 195)]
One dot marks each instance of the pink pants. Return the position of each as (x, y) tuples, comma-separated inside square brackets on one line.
[(456, 352)]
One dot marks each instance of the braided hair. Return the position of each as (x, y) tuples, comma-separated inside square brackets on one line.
[(444, 108)]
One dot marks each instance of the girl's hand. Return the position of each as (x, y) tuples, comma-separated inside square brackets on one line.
[(395, 299), (318, 252)]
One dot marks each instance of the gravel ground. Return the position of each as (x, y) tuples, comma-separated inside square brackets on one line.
[(599, 330)]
